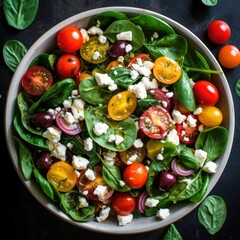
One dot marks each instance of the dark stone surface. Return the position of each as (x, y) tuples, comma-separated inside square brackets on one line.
[(24, 217)]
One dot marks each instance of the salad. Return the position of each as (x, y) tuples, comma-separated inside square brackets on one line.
[(121, 119)]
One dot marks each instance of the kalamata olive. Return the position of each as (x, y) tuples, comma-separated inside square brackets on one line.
[(118, 49), (167, 180), (42, 119), (43, 161)]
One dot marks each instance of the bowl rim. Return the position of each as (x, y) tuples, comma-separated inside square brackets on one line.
[(148, 224)]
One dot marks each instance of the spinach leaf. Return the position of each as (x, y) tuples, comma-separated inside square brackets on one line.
[(188, 159), (148, 22), (200, 194), (184, 93), (213, 141), (120, 26), (172, 45), (237, 87), (28, 136), (106, 18), (70, 205), (45, 185), (25, 159), (210, 2), (144, 104), (55, 95), (20, 14), (212, 213), (94, 94), (13, 52), (172, 234), (126, 129)]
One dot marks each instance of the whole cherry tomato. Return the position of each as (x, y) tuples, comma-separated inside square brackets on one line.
[(135, 175), (68, 66), (218, 32), (123, 203), (205, 92), (229, 56), (69, 39)]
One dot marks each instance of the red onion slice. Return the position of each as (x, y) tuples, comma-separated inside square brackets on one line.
[(179, 169), (141, 199)]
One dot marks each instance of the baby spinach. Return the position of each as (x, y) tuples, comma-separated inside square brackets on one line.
[(20, 14), (54, 95), (94, 94), (13, 52), (172, 234), (25, 159), (237, 87), (120, 26), (151, 23), (126, 129), (184, 93), (210, 2), (187, 159), (213, 141), (212, 213), (172, 45)]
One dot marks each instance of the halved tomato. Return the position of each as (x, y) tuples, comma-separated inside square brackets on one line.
[(93, 51), (87, 186), (142, 56), (133, 154), (155, 122), (36, 80), (187, 133), (62, 175), (122, 105)]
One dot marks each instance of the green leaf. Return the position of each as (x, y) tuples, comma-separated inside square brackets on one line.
[(172, 234), (237, 87), (210, 2), (212, 213), (20, 13), (13, 52)]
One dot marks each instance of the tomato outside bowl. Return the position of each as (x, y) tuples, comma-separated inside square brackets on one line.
[(46, 43)]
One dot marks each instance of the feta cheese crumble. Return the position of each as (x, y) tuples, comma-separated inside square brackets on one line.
[(163, 213), (100, 128), (124, 220)]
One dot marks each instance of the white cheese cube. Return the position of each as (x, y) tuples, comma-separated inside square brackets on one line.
[(118, 139), (139, 90), (200, 156), (163, 213), (88, 144), (100, 192), (124, 220), (69, 118), (94, 30), (102, 39), (78, 109), (151, 202), (57, 150), (103, 215), (100, 128), (79, 162), (138, 143), (178, 117), (172, 137), (210, 167), (83, 202), (53, 134), (127, 36), (90, 174)]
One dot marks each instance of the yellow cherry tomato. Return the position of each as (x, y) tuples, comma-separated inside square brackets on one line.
[(62, 175), (210, 116), (122, 105), (166, 70), (113, 64), (133, 154), (154, 147), (93, 51)]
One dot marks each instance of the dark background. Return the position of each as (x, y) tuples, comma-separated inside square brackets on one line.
[(24, 216)]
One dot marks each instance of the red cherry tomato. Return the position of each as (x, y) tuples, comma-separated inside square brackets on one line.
[(229, 56), (142, 56), (205, 92), (36, 80), (155, 122), (186, 133), (218, 32), (69, 39), (68, 66), (135, 175), (123, 203)]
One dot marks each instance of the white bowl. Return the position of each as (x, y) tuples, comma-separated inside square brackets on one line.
[(144, 224)]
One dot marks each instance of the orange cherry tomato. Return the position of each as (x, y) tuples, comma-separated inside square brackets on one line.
[(122, 105), (166, 70), (113, 64), (62, 175), (229, 56), (135, 175)]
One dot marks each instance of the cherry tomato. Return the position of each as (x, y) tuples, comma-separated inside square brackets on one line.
[(36, 80), (154, 147), (68, 66), (88, 186), (122, 105), (140, 154), (62, 175), (210, 116), (93, 51), (155, 122), (178, 106), (186, 133), (123, 203), (69, 39), (135, 175), (229, 56), (205, 92), (142, 57), (166, 70), (218, 32), (113, 64)]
